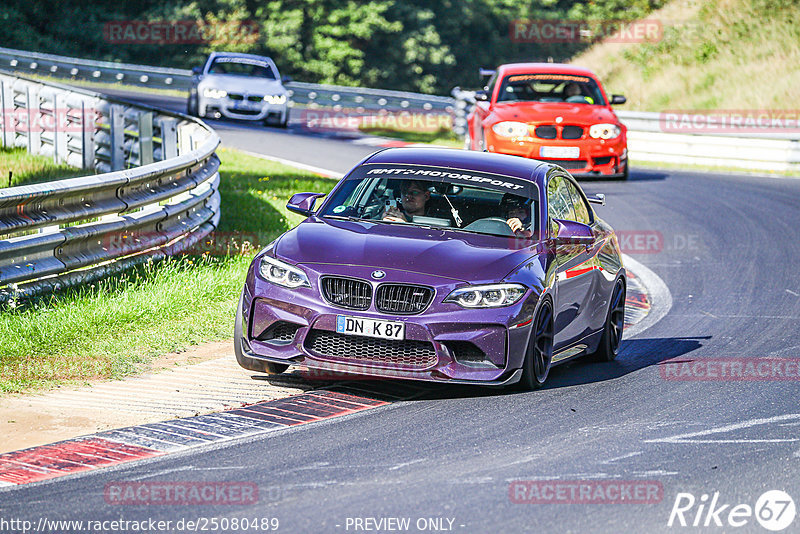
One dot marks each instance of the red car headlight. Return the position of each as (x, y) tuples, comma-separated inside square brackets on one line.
[(605, 131), (510, 129)]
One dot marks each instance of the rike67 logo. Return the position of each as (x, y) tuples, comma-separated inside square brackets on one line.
[(774, 510)]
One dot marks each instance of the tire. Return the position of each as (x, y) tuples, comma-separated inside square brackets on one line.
[(624, 176), (277, 124), (251, 364), (539, 354), (191, 105), (608, 349)]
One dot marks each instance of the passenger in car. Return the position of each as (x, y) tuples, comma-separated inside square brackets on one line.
[(517, 214)]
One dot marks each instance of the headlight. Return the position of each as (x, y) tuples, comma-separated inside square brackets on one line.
[(490, 296), (210, 92), (282, 274), (604, 131), (275, 99), (510, 129)]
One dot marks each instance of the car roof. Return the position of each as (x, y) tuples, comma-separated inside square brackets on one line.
[(543, 68), (515, 166)]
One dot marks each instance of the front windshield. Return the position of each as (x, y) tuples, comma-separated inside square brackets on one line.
[(457, 200), (241, 67), (550, 88)]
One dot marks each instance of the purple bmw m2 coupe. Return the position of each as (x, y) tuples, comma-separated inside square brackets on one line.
[(439, 265)]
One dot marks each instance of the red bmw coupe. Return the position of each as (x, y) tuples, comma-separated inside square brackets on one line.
[(551, 112)]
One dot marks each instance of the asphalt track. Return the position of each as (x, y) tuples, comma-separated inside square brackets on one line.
[(728, 253)]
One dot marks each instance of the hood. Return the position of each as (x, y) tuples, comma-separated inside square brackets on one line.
[(582, 114), (448, 254), (242, 84)]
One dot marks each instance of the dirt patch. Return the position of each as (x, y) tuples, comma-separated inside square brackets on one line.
[(202, 379)]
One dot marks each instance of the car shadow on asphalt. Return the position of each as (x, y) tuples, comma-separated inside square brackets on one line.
[(635, 354)]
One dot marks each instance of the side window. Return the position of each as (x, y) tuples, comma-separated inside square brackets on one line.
[(559, 199), (581, 209)]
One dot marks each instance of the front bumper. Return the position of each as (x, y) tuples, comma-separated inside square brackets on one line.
[(598, 157), (242, 110), (445, 343)]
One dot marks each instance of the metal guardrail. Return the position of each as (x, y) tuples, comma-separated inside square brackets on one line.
[(309, 94), (157, 192), (24, 62)]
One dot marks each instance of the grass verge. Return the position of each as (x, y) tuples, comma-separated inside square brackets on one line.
[(117, 326), (17, 167), (712, 54)]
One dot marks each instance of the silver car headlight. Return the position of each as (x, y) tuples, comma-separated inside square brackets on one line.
[(282, 274), (210, 92), (488, 296), (604, 131), (275, 99), (510, 129)]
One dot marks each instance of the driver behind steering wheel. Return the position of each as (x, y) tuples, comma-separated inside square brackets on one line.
[(415, 197)]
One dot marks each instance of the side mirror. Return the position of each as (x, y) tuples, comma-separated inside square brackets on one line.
[(197, 71), (618, 99), (286, 79), (482, 96), (303, 203), (599, 198), (573, 233)]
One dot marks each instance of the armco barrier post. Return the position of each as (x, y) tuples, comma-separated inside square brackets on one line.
[(169, 138), (60, 127), (145, 138), (87, 130), (33, 142), (116, 123), (3, 114)]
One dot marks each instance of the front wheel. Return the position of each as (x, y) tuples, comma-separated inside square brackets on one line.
[(615, 323), (536, 366), (191, 105)]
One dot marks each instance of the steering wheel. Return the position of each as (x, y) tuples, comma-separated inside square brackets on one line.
[(491, 225)]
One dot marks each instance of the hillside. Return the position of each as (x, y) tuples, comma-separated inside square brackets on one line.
[(723, 54)]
